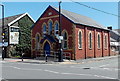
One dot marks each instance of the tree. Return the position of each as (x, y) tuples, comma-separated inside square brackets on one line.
[(25, 36)]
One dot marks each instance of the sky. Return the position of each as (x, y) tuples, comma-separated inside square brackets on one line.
[(35, 9)]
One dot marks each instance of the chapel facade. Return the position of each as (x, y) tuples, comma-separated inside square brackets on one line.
[(82, 36)]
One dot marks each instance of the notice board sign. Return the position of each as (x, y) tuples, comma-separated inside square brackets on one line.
[(14, 35)]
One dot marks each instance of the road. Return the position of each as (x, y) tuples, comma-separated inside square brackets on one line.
[(103, 69)]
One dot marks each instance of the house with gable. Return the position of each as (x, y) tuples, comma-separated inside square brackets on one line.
[(82, 36), (12, 28)]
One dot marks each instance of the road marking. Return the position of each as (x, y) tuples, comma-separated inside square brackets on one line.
[(104, 65), (109, 69), (55, 72), (52, 71), (16, 67), (88, 75), (104, 77), (23, 68), (32, 69)]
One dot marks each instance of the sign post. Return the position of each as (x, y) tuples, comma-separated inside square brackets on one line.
[(3, 32), (60, 56)]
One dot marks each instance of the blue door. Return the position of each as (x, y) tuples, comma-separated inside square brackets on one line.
[(47, 48)]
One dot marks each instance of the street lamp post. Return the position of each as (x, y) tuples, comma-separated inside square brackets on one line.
[(3, 32), (60, 58)]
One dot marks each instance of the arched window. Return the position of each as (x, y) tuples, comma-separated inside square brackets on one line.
[(65, 40), (98, 37), (50, 28), (80, 39), (105, 41), (44, 29), (56, 29), (37, 41), (90, 40)]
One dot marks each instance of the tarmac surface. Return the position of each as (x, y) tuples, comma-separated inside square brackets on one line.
[(92, 68)]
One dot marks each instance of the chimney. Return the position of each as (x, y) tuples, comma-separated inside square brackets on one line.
[(110, 27)]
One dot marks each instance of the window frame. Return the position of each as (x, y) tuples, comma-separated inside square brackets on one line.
[(79, 39), (105, 41), (98, 41), (44, 31), (55, 29), (63, 42), (50, 27), (90, 40), (37, 42)]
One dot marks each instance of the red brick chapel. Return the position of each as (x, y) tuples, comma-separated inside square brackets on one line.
[(82, 36)]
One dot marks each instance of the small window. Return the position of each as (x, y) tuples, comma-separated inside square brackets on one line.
[(90, 40), (50, 28), (80, 39), (65, 40), (105, 41), (37, 41), (98, 40), (44, 29), (56, 29)]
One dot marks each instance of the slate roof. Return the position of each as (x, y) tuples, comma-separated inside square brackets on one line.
[(9, 19), (114, 35), (117, 31), (112, 40), (48, 37), (80, 19)]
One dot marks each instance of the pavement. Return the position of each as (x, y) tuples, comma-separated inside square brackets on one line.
[(81, 61)]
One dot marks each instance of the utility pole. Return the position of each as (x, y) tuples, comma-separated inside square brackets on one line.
[(3, 33), (60, 57)]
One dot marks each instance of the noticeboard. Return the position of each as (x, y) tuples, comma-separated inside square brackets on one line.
[(13, 35)]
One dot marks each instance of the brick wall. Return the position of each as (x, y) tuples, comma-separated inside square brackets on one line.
[(72, 32), (87, 52)]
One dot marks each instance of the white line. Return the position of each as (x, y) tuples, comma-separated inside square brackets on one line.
[(89, 75), (104, 65), (109, 69), (32, 69), (16, 68), (52, 71), (23, 68), (104, 77), (12, 67)]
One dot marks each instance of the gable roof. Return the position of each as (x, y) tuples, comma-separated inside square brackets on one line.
[(76, 18), (80, 19), (9, 19), (12, 19), (50, 38)]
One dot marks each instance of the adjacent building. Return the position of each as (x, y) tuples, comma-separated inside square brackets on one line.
[(82, 36), (12, 27), (114, 41)]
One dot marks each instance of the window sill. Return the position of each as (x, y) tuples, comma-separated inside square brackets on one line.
[(90, 48), (98, 48), (64, 48), (105, 48), (80, 48)]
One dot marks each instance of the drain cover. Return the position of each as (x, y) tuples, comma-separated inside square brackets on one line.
[(86, 68)]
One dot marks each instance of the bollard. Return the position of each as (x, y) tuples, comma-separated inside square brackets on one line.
[(46, 57), (22, 56)]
